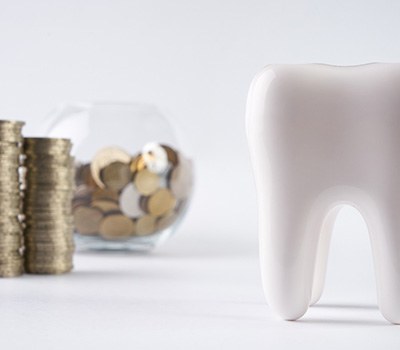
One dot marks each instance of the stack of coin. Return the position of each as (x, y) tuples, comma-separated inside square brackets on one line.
[(11, 261), (49, 189), (120, 196)]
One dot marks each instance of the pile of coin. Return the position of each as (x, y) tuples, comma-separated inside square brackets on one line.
[(49, 190), (11, 260), (120, 196)]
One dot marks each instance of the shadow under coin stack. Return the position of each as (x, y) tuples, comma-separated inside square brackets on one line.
[(49, 242), (11, 260)]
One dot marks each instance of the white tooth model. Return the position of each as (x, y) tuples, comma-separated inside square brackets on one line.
[(322, 136)]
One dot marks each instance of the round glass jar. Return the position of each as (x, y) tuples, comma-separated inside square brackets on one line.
[(133, 180)]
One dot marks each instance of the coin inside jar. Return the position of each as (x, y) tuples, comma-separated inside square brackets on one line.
[(116, 175), (161, 202), (87, 220), (130, 201), (145, 225), (146, 182), (105, 205), (116, 226), (106, 194), (84, 176), (105, 157), (134, 198)]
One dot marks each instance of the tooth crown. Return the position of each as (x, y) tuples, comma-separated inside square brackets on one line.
[(321, 136)]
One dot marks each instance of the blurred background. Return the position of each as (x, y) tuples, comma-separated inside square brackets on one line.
[(195, 61)]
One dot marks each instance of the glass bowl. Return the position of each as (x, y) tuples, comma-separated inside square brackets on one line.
[(133, 180)]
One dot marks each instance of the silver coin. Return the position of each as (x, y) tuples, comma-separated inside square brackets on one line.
[(129, 201)]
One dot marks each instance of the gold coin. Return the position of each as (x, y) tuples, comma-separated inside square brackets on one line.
[(12, 221), (10, 136), (10, 160), (81, 201), (11, 239), (116, 226), (145, 225), (49, 184), (49, 234), (10, 144), (10, 211), (30, 160), (116, 175), (146, 182), (64, 156), (46, 151), (48, 270), (12, 201), (49, 170), (161, 202), (11, 272), (106, 194), (11, 262), (47, 142), (47, 206), (137, 164), (50, 161), (166, 221), (49, 187), (82, 191), (13, 187), (67, 219), (49, 256), (48, 250), (49, 226), (10, 228), (49, 259), (35, 240), (84, 176), (45, 222), (105, 157), (46, 181), (53, 198), (11, 152), (105, 205), (87, 220), (12, 124), (32, 211)]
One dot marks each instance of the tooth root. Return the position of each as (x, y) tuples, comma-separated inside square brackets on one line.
[(288, 249), (385, 241), (322, 254)]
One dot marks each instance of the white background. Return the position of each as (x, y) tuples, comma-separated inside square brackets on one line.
[(195, 60)]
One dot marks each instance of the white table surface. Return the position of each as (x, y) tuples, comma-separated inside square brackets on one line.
[(189, 294)]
